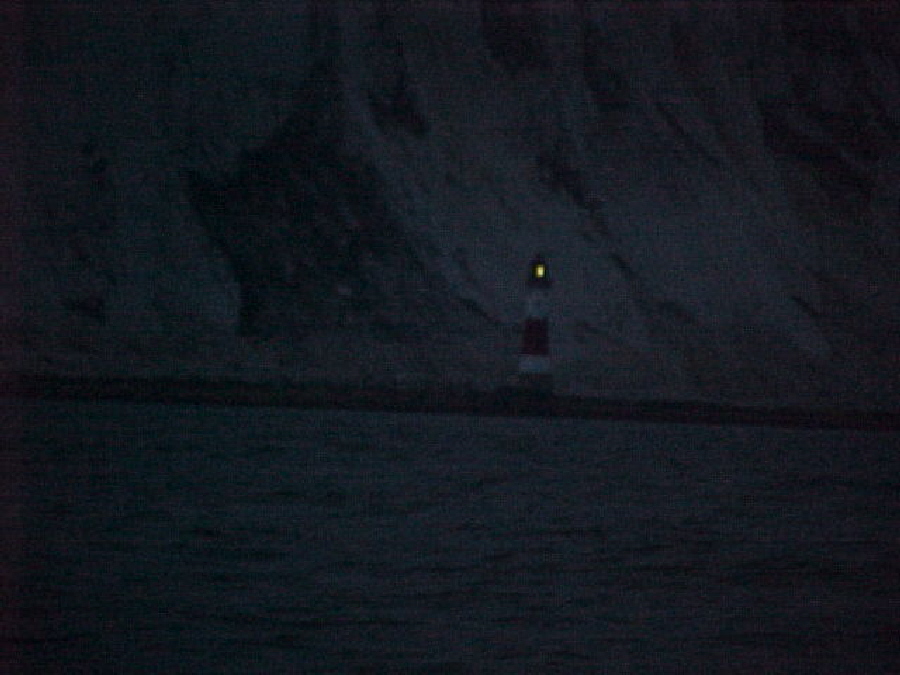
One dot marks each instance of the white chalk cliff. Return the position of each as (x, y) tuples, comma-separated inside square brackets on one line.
[(351, 192)]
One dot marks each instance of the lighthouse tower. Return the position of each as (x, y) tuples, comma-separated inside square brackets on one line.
[(534, 357)]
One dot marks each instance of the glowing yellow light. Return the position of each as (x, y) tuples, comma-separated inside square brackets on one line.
[(540, 271)]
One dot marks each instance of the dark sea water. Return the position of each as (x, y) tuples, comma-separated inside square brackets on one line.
[(190, 539)]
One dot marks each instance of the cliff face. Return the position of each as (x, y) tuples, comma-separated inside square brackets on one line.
[(351, 192)]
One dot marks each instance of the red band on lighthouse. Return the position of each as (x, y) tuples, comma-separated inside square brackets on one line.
[(536, 337)]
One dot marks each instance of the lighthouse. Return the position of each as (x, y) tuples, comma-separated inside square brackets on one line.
[(534, 357)]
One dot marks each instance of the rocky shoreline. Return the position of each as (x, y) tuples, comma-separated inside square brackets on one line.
[(507, 401)]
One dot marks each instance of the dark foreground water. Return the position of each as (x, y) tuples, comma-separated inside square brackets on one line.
[(188, 539)]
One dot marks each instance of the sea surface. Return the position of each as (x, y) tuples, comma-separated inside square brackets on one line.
[(214, 539)]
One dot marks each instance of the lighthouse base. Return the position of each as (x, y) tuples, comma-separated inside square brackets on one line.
[(534, 373), (538, 382)]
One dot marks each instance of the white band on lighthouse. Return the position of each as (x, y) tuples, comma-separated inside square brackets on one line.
[(529, 364), (537, 304)]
